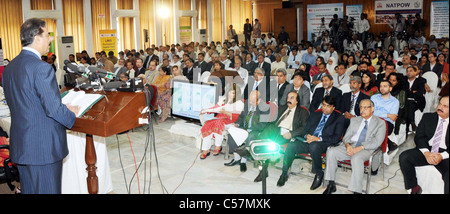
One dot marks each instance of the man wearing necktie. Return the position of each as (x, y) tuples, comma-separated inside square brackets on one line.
[(250, 120), (431, 140), (324, 128), (291, 121), (364, 135)]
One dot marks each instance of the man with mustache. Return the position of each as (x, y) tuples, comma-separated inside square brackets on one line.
[(290, 123), (431, 140)]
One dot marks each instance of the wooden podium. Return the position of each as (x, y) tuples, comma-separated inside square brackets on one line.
[(115, 113)]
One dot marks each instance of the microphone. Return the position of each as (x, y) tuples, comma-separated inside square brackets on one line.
[(73, 68), (101, 72)]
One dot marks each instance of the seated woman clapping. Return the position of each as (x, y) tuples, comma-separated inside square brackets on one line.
[(227, 111)]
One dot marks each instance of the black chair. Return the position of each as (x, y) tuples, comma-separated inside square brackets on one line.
[(9, 172)]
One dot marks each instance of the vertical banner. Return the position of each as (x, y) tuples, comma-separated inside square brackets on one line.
[(52, 44), (108, 41), (185, 34), (317, 13), (439, 20), (354, 11), (386, 10)]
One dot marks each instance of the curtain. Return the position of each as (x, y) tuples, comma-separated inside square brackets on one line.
[(147, 21), (126, 26), (237, 12), (101, 20), (216, 16), (73, 20), (202, 19), (45, 5), (168, 28), (10, 21)]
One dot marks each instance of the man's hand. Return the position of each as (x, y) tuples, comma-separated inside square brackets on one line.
[(348, 115), (392, 117), (287, 135), (433, 158), (74, 109)]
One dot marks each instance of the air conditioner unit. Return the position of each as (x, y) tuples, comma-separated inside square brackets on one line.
[(65, 48), (202, 35)]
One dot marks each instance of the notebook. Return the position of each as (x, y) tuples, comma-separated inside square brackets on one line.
[(82, 99)]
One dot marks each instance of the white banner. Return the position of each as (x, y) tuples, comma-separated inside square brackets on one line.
[(439, 20), (318, 11), (386, 10)]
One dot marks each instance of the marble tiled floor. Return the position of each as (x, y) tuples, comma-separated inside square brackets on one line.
[(182, 172)]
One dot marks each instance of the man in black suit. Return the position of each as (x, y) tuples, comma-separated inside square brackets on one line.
[(251, 120), (281, 84), (188, 71), (248, 32), (290, 123), (264, 65), (431, 147), (201, 63), (350, 100), (140, 67), (415, 91), (324, 128), (434, 66), (249, 64), (326, 89)]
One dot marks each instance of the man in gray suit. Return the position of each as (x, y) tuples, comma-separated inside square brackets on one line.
[(364, 135), (298, 85)]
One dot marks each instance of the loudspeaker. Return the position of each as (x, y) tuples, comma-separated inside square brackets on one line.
[(146, 35), (287, 4)]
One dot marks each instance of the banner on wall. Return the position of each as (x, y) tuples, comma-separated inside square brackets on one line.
[(185, 34), (354, 11), (108, 41), (386, 10), (318, 11), (439, 19)]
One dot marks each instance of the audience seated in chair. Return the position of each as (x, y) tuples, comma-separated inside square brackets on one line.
[(350, 100), (326, 89), (386, 107), (364, 135), (163, 84), (431, 140), (323, 129)]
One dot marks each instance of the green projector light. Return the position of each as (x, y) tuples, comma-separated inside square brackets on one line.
[(264, 150)]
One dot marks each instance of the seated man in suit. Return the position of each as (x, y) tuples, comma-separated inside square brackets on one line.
[(188, 71), (265, 85), (264, 65), (281, 85), (249, 64), (290, 123), (201, 63), (386, 107), (324, 128), (350, 100), (251, 121), (364, 135), (434, 66), (431, 147), (140, 67), (298, 85), (415, 92), (326, 89)]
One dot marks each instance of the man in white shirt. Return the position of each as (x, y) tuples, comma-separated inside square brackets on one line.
[(341, 77), (243, 73), (224, 59), (277, 64), (363, 27), (294, 61), (355, 45), (406, 60), (331, 53), (431, 147)]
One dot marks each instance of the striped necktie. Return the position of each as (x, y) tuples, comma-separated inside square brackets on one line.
[(318, 131), (438, 137), (362, 136)]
